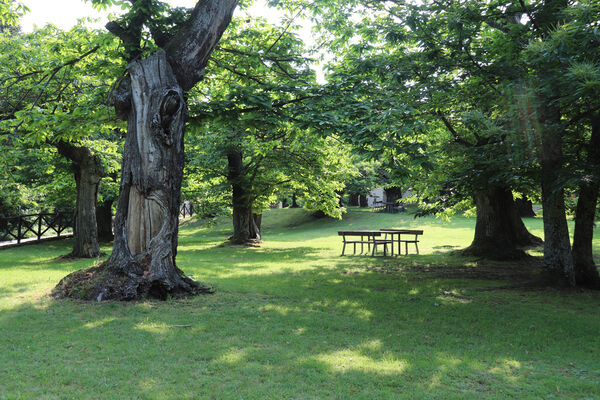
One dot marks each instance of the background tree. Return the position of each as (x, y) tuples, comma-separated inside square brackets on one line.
[(251, 121), (55, 89)]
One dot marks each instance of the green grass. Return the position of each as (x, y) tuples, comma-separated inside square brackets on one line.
[(293, 320)]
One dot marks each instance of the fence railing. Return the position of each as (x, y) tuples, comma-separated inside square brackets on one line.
[(30, 226), (187, 209), (34, 225)]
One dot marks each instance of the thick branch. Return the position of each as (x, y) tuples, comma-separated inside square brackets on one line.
[(189, 51), (120, 32), (237, 111), (453, 132)]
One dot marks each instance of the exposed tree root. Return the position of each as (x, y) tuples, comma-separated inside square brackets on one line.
[(105, 282), (494, 252), (71, 257)]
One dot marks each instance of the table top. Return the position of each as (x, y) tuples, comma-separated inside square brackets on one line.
[(400, 231), (373, 232)]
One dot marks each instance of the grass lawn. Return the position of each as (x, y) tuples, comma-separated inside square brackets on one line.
[(294, 320)]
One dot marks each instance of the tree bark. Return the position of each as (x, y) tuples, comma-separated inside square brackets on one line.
[(353, 199), (294, 201), (558, 261), (362, 199), (499, 231), (142, 263), (393, 193), (586, 272), (524, 207), (246, 224), (255, 226), (88, 171)]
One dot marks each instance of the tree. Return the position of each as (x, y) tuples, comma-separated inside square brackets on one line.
[(528, 53), (257, 88), (54, 93), (10, 12), (367, 178), (419, 99), (151, 98), (567, 78)]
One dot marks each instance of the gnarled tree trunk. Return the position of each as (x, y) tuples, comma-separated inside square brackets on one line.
[(142, 263), (499, 231), (586, 272), (88, 171)]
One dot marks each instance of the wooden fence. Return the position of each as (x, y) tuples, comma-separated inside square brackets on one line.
[(187, 209), (34, 225)]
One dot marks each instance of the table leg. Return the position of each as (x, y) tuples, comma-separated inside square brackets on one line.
[(374, 247)]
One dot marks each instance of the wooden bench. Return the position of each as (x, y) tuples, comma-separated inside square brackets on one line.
[(368, 237), (411, 232)]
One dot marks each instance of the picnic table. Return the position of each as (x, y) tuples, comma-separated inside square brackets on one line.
[(367, 236), (414, 238), (390, 207), (372, 238)]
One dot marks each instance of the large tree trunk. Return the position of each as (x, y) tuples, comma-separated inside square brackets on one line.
[(294, 201), (393, 193), (245, 227), (586, 272), (354, 199), (362, 199), (142, 263), (241, 224), (499, 231), (88, 171), (558, 262)]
